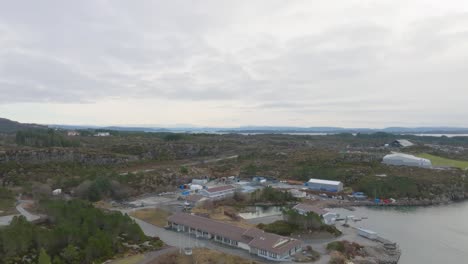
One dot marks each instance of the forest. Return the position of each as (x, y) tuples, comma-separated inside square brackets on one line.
[(74, 233)]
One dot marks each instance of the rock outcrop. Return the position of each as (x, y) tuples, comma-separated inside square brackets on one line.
[(39, 156)]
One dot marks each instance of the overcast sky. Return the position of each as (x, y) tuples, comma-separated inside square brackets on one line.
[(231, 63)]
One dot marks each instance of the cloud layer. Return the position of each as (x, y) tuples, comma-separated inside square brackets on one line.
[(348, 63)]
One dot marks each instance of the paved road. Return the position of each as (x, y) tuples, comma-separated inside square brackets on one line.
[(5, 220), (30, 217), (150, 256), (210, 160), (348, 233)]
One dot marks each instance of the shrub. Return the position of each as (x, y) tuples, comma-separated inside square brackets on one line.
[(183, 170), (280, 227), (331, 229), (336, 246)]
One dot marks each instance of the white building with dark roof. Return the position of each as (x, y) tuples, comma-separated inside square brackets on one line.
[(219, 192), (401, 143), (324, 185), (258, 242), (328, 218)]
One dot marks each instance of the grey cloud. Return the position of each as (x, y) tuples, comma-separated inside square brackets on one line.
[(87, 51)]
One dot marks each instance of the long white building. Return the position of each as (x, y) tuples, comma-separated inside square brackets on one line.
[(400, 159), (324, 185), (219, 192), (257, 242)]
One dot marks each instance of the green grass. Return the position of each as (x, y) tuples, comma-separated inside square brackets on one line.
[(7, 207), (279, 227), (7, 202), (155, 216), (439, 161), (336, 246)]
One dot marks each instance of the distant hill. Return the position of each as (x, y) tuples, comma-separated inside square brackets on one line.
[(277, 129), (9, 126), (139, 129), (336, 130), (114, 128)]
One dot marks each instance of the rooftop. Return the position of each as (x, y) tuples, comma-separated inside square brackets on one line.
[(319, 181), (220, 188), (403, 155), (270, 242), (254, 237), (209, 225), (404, 142), (366, 230), (310, 208)]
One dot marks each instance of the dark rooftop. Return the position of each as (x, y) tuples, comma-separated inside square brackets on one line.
[(310, 208), (254, 237), (209, 225)]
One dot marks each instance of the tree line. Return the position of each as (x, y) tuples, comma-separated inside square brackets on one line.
[(271, 195), (76, 233), (44, 138)]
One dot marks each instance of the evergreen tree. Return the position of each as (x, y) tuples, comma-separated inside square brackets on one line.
[(71, 254), (43, 257)]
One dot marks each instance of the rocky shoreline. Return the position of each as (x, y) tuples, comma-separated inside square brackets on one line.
[(399, 203)]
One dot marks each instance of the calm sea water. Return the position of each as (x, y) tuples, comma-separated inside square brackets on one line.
[(325, 134), (259, 211), (426, 235)]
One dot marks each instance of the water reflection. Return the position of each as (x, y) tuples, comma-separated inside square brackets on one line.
[(260, 211)]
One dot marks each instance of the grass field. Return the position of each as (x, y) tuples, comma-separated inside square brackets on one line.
[(439, 161), (155, 216)]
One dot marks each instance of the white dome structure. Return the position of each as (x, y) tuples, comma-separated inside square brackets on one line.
[(400, 159)]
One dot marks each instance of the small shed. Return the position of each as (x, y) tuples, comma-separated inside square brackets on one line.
[(329, 218)]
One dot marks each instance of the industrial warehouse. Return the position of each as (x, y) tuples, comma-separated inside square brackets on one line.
[(324, 185), (266, 245)]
